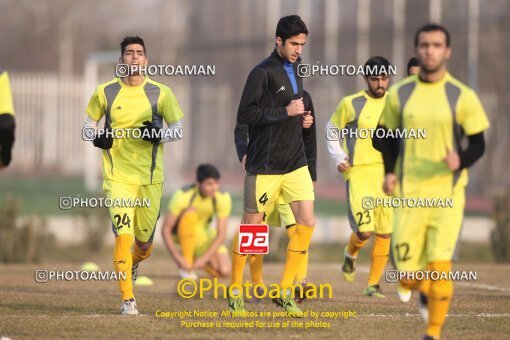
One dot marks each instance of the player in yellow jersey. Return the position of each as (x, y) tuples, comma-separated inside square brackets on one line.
[(187, 223), (363, 170), (433, 167), (134, 108), (7, 121)]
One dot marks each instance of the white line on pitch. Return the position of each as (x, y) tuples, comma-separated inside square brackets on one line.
[(483, 286)]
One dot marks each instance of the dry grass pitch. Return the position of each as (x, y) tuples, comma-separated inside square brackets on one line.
[(480, 309)]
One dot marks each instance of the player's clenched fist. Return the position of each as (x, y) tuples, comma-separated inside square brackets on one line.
[(390, 180), (307, 119), (344, 165), (452, 160), (296, 107)]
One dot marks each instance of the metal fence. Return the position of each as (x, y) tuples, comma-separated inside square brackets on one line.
[(234, 35)]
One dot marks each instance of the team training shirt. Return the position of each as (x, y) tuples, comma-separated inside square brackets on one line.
[(275, 143), (354, 113), (133, 160), (5, 93), (448, 110), (205, 207)]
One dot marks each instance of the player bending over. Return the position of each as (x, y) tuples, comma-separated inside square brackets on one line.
[(363, 170), (190, 212)]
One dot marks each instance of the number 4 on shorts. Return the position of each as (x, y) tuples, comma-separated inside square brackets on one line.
[(263, 199)]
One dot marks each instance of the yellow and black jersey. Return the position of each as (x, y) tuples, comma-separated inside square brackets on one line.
[(354, 113), (447, 111), (206, 207), (133, 160), (6, 105)]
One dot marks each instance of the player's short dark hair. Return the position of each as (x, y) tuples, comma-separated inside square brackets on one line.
[(290, 26), (376, 66), (205, 171), (129, 41), (412, 63), (431, 28)]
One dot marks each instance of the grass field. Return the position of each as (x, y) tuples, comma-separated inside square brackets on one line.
[(41, 196), (90, 309)]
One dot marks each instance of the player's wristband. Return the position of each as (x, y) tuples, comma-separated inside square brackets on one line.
[(474, 151)]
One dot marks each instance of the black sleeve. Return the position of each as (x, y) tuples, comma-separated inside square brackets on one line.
[(7, 127), (475, 150), (249, 111), (388, 146), (310, 138), (241, 140)]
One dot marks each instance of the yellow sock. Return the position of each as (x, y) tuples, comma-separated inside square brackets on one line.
[(186, 231), (123, 262), (424, 286), (439, 297), (238, 262), (355, 244), (380, 251), (303, 267), (139, 255), (410, 284), (256, 262), (302, 270), (296, 251)]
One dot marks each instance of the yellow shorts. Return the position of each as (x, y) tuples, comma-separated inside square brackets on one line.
[(262, 192), (204, 237), (136, 220), (280, 215), (426, 234), (363, 184)]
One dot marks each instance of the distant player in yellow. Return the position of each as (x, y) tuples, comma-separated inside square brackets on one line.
[(187, 223), (7, 121), (363, 170), (433, 167), (413, 66), (134, 108)]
